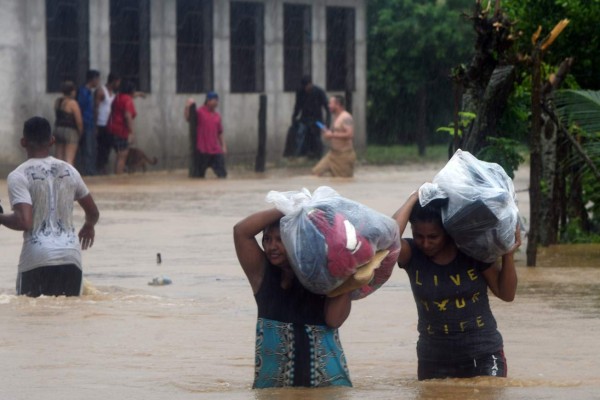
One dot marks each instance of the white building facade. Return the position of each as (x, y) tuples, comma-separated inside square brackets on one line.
[(179, 49)]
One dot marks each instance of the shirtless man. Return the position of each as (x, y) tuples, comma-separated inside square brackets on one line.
[(341, 157)]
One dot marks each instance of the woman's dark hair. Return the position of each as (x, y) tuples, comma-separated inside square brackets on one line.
[(67, 87), (429, 213), (271, 226), (127, 87)]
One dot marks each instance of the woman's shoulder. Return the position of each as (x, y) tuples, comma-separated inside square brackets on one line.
[(465, 259)]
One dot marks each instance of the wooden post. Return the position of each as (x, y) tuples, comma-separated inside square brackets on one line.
[(536, 166), (261, 159), (454, 144), (193, 122)]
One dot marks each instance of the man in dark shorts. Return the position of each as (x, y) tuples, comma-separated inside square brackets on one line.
[(210, 143), (41, 192)]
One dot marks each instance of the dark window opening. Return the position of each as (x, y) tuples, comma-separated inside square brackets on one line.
[(130, 41), (340, 48), (297, 40), (247, 47), (67, 42), (194, 46)]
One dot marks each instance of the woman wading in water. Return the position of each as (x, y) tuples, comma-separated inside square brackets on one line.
[(297, 341), (458, 337)]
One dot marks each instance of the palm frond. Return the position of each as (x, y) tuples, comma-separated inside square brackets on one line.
[(581, 107)]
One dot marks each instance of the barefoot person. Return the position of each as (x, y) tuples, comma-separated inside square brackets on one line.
[(297, 341), (458, 337), (340, 159), (42, 191)]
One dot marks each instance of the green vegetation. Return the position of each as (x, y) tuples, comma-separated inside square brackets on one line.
[(581, 39), (415, 45), (400, 155), (412, 47)]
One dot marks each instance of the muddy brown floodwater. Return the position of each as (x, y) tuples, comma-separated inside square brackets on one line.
[(194, 339)]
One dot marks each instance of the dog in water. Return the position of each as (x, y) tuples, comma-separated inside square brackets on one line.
[(137, 159)]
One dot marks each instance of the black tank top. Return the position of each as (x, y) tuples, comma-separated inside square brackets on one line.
[(63, 118), (294, 304)]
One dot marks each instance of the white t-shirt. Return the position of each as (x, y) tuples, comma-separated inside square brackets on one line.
[(50, 186), (104, 107)]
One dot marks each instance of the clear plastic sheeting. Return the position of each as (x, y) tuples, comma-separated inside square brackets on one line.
[(481, 213), (328, 238)]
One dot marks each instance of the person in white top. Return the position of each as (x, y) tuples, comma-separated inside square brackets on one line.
[(103, 101), (41, 192)]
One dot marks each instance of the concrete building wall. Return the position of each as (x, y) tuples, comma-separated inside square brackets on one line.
[(160, 128)]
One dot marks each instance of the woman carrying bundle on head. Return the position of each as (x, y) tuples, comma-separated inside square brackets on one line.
[(297, 341), (458, 335)]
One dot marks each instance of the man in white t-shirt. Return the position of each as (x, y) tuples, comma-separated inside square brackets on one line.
[(41, 192), (104, 97)]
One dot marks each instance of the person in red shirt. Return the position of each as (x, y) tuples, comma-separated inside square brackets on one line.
[(210, 146), (120, 123)]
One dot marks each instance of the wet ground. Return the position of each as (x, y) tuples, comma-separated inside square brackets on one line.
[(195, 338)]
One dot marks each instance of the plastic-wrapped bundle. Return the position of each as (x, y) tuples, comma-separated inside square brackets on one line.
[(328, 238), (481, 213)]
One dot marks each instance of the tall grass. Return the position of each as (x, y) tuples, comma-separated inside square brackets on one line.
[(397, 155)]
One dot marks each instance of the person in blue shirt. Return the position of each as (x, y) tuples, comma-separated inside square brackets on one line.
[(86, 157)]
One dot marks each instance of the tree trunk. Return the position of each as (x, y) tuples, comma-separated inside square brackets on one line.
[(486, 84), (535, 173), (576, 206), (550, 206), (549, 158), (490, 108)]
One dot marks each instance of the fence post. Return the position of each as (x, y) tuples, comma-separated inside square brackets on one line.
[(193, 121), (259, 166)]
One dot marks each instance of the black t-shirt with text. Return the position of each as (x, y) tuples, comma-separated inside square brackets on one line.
[(455, 319)]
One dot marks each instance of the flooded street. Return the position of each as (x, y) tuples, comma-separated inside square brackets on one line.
[(194, 338)]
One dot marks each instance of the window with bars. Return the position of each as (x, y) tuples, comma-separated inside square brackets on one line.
[(297, 41), (341, 48), (67, 42), (247, 47), (194, 46), (130, 41)]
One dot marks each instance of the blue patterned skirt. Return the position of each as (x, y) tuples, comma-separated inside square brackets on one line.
[(290, 354)]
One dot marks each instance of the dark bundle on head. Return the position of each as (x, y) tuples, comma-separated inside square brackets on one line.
[(37, 131), (432, 212)]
